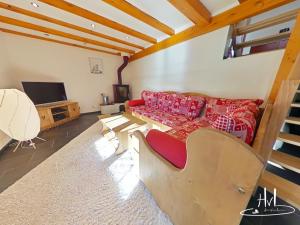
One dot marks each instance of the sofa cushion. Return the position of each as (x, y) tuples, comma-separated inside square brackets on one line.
[(136, 102), (165, 101), (190, 106), (181, 132), (240, 123), (220, 106), (168, 147), (168, 119), (165, 118), (224, 123), (150, 98), (141, 109)]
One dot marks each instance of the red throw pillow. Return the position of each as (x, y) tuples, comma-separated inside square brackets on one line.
[(190, 106), (220, 106), (150, 98), (195, 106), (165, 101), (136, 102), (224, 123), (241, 125)]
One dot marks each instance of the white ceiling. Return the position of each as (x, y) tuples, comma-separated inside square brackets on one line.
[(159, 9)]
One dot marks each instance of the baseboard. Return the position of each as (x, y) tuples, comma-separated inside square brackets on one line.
[(88, 113)]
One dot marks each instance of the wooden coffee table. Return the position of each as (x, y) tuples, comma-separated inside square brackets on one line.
[(121, 126)]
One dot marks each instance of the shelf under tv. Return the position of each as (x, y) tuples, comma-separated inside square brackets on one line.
[(56, 114)]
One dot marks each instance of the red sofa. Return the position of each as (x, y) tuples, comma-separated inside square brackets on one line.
[(185, 113)]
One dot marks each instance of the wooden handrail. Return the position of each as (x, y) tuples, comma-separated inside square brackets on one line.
[(285, 17)]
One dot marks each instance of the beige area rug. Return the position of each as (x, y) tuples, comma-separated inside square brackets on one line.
[(83, 183)]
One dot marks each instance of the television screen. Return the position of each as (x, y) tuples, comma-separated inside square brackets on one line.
[(44, 92)]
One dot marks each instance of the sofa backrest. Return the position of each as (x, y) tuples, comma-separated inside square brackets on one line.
[(187, 104), (195, 94)]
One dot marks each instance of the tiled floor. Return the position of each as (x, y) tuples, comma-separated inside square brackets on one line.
[(14, 165)]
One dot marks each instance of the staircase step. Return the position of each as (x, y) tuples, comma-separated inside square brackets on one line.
[(289, 138), (295, 105), (286, 190), (293, 120), (286, 160)]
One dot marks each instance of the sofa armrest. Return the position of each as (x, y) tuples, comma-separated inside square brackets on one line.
[(219, 177), (136, 102), (168, 147)]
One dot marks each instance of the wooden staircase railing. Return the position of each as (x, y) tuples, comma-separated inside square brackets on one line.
[(238, 33), (285, 101)]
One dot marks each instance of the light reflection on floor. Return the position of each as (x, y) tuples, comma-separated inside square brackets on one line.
[(125, 171), (104, 148)]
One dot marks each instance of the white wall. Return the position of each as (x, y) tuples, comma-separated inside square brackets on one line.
[(5, 79), (35, 60), (198, 65), (5, 82)]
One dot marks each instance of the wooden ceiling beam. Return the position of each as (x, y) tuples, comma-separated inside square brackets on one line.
[(135, 12), (64, 24), (231, 16), (194, 10), (78, 11), (31, 26), (57, 41)]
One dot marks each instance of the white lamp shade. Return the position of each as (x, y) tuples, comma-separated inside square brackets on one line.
[(19, 118)]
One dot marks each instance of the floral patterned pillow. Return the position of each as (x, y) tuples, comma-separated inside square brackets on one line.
[(220, 106), (190, 106), (240, 123), (150, 98), (165, 101)]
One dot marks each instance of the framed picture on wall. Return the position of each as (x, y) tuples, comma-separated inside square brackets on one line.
[(96, 65)]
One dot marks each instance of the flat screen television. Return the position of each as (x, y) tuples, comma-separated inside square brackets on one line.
[(45, 92)]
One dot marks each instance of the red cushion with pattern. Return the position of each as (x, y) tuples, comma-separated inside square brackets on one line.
[(165, 101), (194, 104), (240, 123), (220, 106), (150, 98), (224, 123), (190, 106), (181, 132)]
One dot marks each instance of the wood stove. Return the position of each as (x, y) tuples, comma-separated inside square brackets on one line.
[(121, 93)]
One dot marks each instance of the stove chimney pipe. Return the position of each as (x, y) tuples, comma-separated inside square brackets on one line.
[(121, 68)]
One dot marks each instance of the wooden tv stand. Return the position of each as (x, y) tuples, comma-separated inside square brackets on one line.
[(56, 114)]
